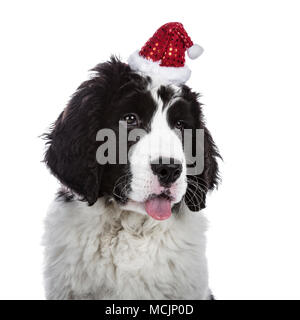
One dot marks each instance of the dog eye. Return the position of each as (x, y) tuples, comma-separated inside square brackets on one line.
[(131, 119), (179, 125)]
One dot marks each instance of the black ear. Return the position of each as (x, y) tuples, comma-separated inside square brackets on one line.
[(72, 144), (199, 185), (71, 155)]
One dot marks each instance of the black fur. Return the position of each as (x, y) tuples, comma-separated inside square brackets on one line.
[(65, 195), (113, 91), (188, 109)]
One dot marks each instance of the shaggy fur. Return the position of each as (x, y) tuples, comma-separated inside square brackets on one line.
[(99, 241), (102, 252)]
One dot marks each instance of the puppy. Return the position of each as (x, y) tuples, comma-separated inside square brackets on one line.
[(129, 229)]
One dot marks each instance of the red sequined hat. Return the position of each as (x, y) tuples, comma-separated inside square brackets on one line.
[(163, 55)]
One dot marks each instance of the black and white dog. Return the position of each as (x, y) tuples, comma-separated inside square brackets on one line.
[(130, 230)]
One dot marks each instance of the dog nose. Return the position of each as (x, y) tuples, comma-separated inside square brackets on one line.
[(166, 170)]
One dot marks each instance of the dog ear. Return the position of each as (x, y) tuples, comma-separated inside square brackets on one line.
[(71, 155), (199, 185)]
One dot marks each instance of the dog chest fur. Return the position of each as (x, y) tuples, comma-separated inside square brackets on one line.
[(102, 252)]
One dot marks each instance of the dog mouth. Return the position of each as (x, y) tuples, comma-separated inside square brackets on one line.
[(158, 206)]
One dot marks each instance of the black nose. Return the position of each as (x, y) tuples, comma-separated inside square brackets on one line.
[(166, 170)]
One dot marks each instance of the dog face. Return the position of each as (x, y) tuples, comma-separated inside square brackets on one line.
[(153, 178)]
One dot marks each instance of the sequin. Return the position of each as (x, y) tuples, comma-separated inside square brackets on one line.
[(168, 38)]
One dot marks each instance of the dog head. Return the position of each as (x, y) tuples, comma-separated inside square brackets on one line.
[(148, 119)]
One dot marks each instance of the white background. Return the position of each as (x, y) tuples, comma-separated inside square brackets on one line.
[(249, 76)]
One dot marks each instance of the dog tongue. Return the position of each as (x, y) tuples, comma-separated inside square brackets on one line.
[(158, 208)]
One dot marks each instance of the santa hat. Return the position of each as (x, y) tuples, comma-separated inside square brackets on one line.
[(163, 55)]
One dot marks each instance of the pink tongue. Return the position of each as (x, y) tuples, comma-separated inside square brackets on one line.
[(158, 208)]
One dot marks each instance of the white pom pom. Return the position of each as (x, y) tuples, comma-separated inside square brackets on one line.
[(195, 51)]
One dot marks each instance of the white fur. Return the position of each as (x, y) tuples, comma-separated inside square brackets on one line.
[(102, 252), (161, 141), (194, 51), (164, 75)]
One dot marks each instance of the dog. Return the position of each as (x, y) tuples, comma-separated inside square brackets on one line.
[(131, 230)]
